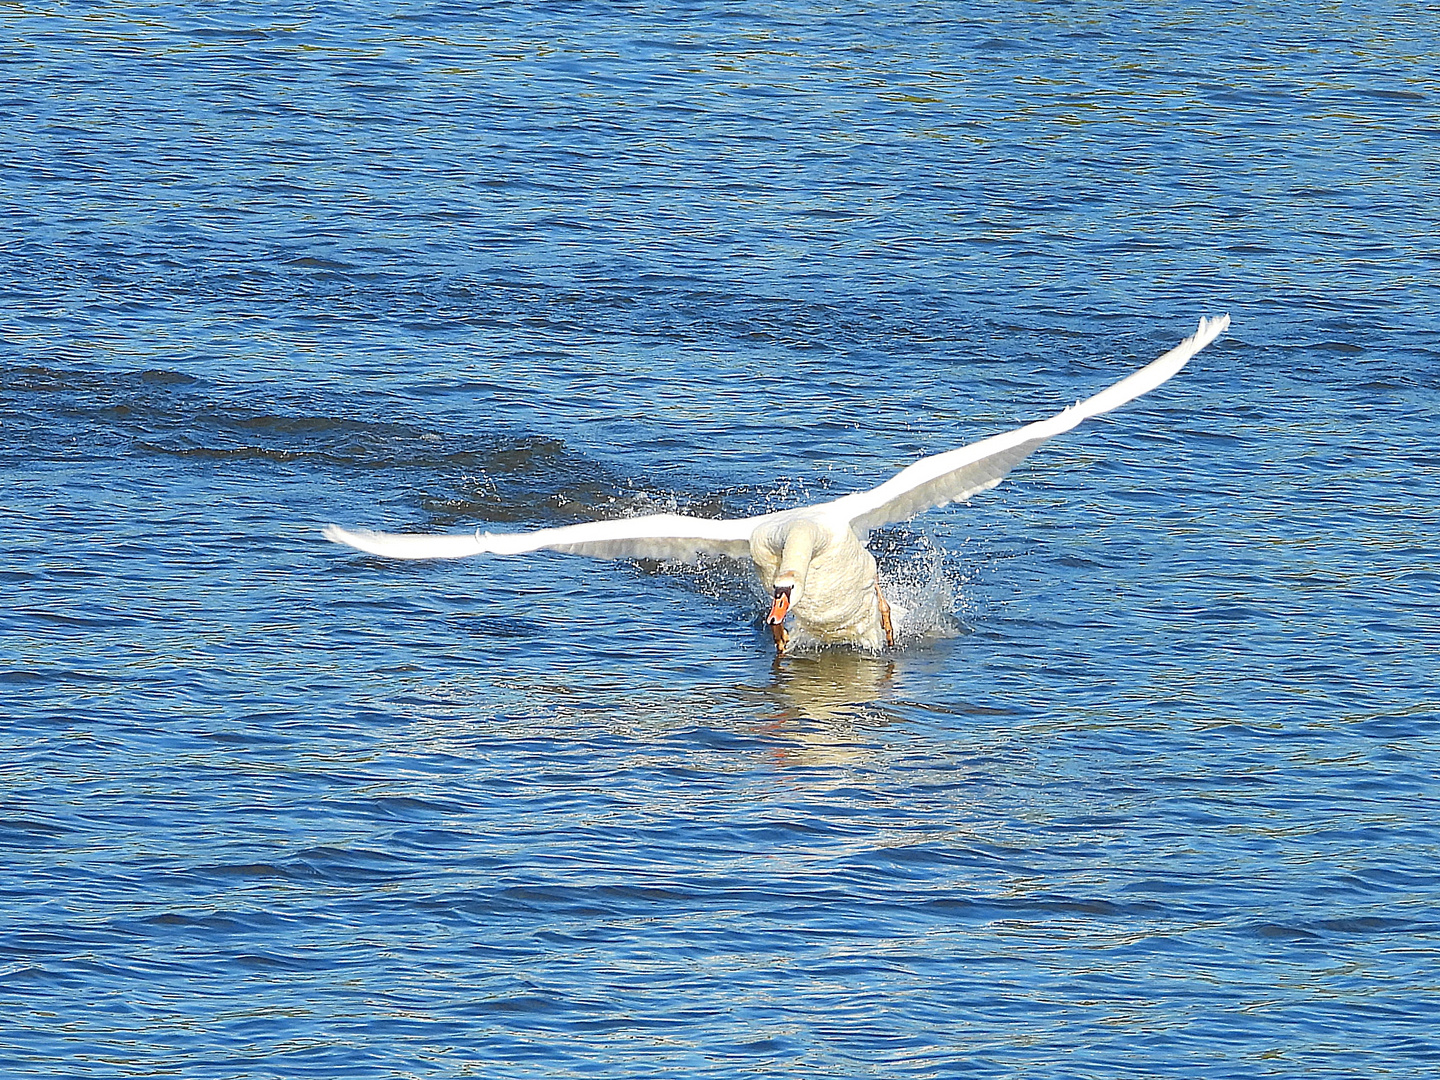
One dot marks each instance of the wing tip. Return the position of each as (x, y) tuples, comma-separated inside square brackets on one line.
[(351, 538), (1212, 326)]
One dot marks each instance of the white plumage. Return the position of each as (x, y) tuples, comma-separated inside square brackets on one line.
[(814, 555)]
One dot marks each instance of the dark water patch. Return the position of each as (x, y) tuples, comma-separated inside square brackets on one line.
[(79, 414), (216, 924), (1276, 932), (1368, 926), (244, 739), (258, 871), (347, 866), (411, 808), (29, 832)]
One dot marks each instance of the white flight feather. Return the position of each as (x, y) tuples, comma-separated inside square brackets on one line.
[(932, 481)]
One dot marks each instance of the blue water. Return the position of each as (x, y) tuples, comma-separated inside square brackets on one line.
[(1153, 794)]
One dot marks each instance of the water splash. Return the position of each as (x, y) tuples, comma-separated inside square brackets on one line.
[(922, 591)]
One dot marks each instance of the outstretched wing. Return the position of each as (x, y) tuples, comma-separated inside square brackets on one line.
[(930, 482), (958, 474), (655, 536)]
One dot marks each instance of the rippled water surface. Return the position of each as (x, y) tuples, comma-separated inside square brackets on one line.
[(1150, 791)]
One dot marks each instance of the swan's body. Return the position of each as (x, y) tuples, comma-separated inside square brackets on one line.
[(811, 559)]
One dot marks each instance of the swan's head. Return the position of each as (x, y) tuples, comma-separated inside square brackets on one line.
[(784, 596)]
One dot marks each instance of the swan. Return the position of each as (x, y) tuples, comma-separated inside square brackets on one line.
[(811, 560)]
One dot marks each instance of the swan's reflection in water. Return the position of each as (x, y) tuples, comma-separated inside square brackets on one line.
[(831, 685), (826, 700), (819, 708)]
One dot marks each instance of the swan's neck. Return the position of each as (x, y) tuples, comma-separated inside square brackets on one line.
[(799, 550)]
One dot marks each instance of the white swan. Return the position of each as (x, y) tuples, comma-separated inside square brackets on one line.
[(812, 560)]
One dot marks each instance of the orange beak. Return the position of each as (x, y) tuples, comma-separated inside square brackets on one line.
[(779, 606)]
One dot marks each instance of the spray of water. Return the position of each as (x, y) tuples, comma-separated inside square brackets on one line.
[(922, 592)]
